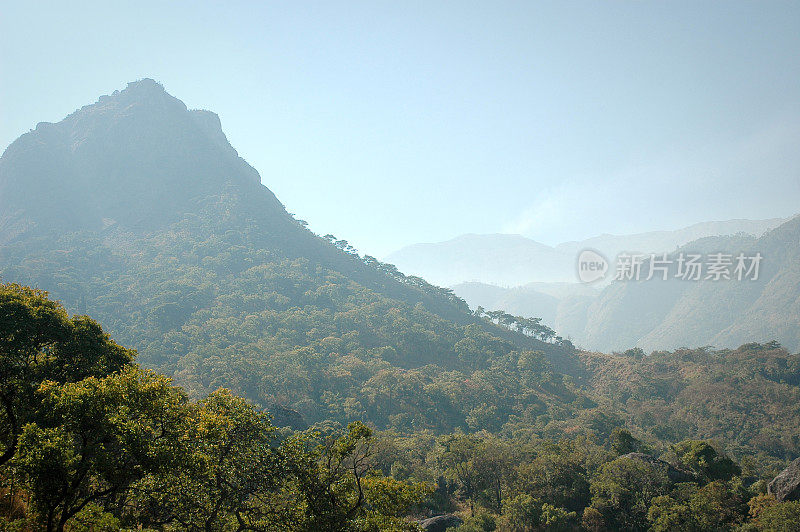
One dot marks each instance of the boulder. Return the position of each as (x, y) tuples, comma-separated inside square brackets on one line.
[(440, 523), (673, 473), (786, 486), (286, 417)]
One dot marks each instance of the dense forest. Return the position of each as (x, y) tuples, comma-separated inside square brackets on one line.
[(215, 310), (91, 441)]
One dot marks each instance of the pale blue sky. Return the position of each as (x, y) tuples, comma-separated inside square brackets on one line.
[(388, 123)]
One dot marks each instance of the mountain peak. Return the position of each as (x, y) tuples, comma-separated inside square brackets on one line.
[(145, 84), (144, 93), (139, 147)]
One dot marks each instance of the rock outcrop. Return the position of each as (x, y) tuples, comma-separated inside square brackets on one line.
[(286, 417), (673, 473), (786, 486), (440, 523)]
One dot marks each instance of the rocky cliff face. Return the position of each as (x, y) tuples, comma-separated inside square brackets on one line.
[(786, 486)]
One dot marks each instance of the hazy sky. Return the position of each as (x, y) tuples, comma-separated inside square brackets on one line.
[(389, 123)]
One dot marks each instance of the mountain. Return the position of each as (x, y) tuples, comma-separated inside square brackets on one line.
[(665, 315), (659, 314), (750, 311), (514, 260), (667, 241), (669, 314), (105, 159), (138, 211)]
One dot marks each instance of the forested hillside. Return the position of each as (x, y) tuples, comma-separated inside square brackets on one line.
[(137, 211), (90, 441), (747, 397)]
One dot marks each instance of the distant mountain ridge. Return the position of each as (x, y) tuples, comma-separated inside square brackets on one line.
[(668, 241), (660, 315), (514, 260)]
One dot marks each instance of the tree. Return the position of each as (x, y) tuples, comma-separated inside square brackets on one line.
[(719, 505), (667, 515), (623, 442), (387, 500), (556, 519), (40, 342), (455, 455), (622, 492), (328, 471), (522, 513), (592, 519), (759, 503), (557, 475), (95, 438), (229, 468), (781, 517), (494, 467), (637, 353)]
